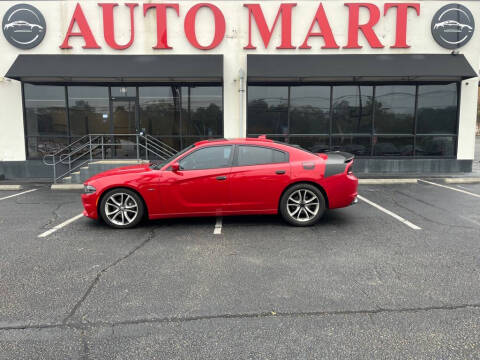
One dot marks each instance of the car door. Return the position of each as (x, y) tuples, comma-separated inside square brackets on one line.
[(200, 186), (258, 177)]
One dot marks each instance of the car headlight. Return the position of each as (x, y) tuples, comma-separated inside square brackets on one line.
[(89, 189)]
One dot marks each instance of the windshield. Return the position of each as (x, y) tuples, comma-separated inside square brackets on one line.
[(157, 164)]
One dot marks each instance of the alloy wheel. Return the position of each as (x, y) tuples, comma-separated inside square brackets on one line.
[(121, 209), (303, 205)]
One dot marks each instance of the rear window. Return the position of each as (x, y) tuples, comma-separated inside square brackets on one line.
[(256, 155)]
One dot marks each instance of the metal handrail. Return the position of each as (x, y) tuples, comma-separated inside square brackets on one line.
[(89, 145), (150, 137)]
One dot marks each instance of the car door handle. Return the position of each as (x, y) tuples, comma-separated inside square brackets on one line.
[(280, 172), (220, 178)]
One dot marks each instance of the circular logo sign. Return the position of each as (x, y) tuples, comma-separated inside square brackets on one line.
[(453, 26), (24, 26)]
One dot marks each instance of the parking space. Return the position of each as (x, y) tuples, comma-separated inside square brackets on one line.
[(359, 279)]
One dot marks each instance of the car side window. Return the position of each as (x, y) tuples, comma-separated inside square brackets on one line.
[(212, 157), (257, 155)]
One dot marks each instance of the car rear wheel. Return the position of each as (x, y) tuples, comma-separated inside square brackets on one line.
[(302, 205), (121, 208)]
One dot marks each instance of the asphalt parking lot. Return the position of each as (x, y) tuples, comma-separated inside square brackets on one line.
[(395, 276)]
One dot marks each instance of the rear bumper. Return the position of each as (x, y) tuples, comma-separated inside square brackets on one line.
[(89, 202), (342, 190)]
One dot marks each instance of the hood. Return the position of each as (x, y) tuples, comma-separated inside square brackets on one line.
[(124, 170)]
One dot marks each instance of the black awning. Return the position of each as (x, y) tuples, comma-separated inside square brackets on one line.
[(116, 68), (402, 67)]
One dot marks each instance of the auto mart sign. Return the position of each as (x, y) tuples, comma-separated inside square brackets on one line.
[(317, 26)]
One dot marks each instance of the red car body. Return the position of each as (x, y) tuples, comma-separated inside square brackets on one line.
[(252, 189)]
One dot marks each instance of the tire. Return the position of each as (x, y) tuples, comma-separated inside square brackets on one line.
[(310, 208), (129, 205)]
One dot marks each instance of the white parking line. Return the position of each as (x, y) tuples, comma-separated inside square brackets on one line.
[(218, 226), (392, 214), (451, 188), (23, 192), (59, 226)]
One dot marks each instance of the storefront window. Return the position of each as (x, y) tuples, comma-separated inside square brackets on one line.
[(88, 108), (394, 109), (366, 120), (352, 109), (268, 105), (157, 110), (437, 109), (309, 109), (46, 119), (202, 111)]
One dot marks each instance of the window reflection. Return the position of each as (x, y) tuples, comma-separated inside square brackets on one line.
[(202, 111), (393, 146), (268, 109), (352, 109), (309, 109), (157, 110), (394, 109), (437, 109), (357, 145), (45, 110), (435, 146), (88, 108)]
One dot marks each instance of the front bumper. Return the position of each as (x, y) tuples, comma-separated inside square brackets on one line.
[(89, 202)]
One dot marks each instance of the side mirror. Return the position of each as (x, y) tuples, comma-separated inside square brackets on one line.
[(175, 167)]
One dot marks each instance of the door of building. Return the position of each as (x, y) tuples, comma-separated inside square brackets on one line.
[(124, 125)]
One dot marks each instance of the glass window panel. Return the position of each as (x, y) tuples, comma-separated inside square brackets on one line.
[(357, 145), (312, 143), (39, 146), (119, 91), (435, 146), (189, 140), (394, 109), (255, 155), (267, 111), (437, 109), (352, 109), (202, 112), (45, 110), (212, 157), (393, 146), (309, 109), (157, 110), (88, 110), (172, 141)]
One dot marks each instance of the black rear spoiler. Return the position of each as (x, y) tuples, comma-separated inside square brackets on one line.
[(336, 162)]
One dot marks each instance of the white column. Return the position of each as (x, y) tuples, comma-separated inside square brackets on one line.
[(234, 112), (468, 118), (12, 141)]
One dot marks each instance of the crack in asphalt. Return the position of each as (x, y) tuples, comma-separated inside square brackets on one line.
[(149, 237), (154, 320), (55, 214)]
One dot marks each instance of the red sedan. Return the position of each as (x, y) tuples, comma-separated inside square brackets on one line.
[(225, 177)]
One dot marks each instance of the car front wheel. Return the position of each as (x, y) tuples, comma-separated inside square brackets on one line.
[(302, 205), (121, 208)]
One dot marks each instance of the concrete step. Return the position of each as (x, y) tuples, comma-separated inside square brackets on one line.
[(96, 167)]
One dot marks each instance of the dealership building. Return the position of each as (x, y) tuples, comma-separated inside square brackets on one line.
[(395, 83)]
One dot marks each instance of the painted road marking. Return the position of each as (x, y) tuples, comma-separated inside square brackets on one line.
[(59, 226), (451, 188), (218, 226), (23, 192), (392, 214)]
